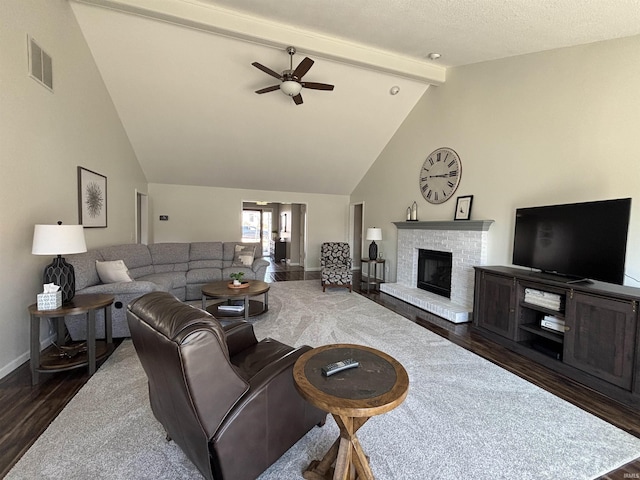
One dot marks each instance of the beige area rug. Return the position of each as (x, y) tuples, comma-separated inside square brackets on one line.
[(464, 417)]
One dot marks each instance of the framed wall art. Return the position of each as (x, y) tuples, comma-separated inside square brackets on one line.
[(463, 208), (92, 199)]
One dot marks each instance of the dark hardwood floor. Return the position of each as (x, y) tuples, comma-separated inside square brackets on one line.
[(26, 411)]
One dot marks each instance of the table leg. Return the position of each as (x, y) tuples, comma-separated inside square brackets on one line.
[(60, 331), (350, 453), (266, 301), (343, 461), (108, 325), (319, 470), (346, 452), (91, 340), (246, 308), (35, 349), (360, 461)]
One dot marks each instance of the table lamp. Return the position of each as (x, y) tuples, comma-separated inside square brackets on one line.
[(374, 234), (59, 240)]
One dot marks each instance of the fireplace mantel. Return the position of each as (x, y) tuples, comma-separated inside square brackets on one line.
[(469, 225)]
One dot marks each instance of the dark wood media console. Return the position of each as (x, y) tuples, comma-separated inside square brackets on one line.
[(599, 345)]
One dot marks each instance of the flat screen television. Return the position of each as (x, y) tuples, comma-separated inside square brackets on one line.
[(578, 241)]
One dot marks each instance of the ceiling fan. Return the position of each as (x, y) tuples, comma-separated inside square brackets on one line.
[(291, 79)]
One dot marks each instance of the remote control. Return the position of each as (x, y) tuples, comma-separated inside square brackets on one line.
[(332, 368)]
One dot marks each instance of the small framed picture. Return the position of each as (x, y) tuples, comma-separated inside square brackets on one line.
[(92, 198), (463, 208)]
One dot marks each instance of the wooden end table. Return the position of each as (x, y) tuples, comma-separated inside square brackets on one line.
[(87, 304), (373, 279), (222, 291), (352, 396)]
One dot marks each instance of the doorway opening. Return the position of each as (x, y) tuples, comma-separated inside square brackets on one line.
[(280, 228), (142, 218), (256, 225), (357, 218)]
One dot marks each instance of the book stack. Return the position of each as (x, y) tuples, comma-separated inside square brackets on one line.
[(552, 301), (231, 308), (552, 323)]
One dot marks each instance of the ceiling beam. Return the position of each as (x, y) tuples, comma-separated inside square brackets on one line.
[(209, 18)]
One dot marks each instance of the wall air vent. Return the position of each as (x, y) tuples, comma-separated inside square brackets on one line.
[(40, 65)]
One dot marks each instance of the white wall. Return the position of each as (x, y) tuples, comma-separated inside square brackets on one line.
[(552, 127), (198, 214), (44, 136)]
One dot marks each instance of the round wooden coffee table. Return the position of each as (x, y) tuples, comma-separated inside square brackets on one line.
[(222, 291), (352, 396)]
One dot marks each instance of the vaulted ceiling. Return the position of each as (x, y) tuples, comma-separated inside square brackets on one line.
[(180, 76)]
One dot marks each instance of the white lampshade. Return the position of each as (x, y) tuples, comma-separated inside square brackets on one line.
[(374, 233), (58, 240), (290, 88)]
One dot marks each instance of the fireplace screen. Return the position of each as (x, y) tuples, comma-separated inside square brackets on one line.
[(434, 272)]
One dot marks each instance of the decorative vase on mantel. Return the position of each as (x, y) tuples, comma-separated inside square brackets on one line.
[(414, 212)]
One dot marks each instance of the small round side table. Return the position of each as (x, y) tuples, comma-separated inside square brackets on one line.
[(87, 304), (379, 384)]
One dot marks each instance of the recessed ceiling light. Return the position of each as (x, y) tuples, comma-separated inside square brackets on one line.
[(434, 56), (394, 90)]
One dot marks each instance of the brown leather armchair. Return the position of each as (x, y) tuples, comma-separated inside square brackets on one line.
[(226, 399)]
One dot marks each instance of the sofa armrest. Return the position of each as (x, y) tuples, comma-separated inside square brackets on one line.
[(239, 336), (267, 374), (258, 263), (269, 383), (259, 268), (265, 422)]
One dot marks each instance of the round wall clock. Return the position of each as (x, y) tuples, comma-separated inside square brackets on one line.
[(440, 175)]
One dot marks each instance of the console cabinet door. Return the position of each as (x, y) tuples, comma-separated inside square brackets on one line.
[(601, 337), (495, 304)]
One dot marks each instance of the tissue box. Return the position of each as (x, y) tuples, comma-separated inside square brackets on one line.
[(49, 301)]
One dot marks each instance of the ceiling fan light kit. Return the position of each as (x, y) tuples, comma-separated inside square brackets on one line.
[(291, 79), (291, 88)]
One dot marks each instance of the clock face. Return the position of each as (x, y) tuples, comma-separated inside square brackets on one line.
[(440, 175)]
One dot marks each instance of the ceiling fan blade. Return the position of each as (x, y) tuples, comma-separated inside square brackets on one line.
[(268, 89), (303, 67), (297, 99), (317, 86), (267, 70)]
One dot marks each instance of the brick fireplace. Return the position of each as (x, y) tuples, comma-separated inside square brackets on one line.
[(467, 242)]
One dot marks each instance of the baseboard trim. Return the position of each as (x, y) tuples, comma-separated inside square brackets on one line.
[(17, 362)]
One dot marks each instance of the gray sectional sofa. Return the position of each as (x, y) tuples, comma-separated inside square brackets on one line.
[(179, 268)]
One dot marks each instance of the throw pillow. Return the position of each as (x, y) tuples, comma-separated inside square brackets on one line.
[(244, 255), (112, 272)]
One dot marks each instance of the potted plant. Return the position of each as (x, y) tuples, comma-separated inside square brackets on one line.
[(237, 278)]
